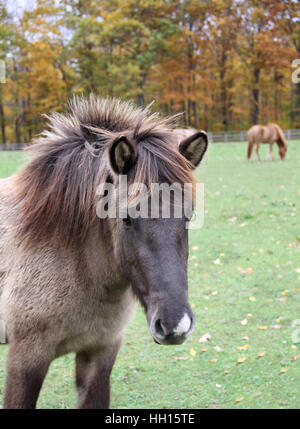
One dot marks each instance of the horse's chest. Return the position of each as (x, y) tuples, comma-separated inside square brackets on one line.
[(101, 322), (111, 318)]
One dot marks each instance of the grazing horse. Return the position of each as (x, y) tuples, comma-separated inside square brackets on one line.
[(271, 134), (69, 279)]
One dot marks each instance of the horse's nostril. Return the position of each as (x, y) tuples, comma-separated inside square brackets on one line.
[(159, 328)]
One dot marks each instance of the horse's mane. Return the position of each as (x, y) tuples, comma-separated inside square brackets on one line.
[(55, 193), (281, 139)]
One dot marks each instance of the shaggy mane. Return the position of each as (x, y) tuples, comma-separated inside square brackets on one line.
[(281, 139), (55, 193)]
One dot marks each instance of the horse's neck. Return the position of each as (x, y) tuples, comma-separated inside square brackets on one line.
[(265, 133), (99, 259)]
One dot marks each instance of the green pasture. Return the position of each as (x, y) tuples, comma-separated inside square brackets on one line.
[(244, 282)]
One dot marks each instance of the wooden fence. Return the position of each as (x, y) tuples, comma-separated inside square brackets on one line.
[(241, 136), (214, 137)]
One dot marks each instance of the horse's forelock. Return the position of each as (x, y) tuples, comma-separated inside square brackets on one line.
[(55, 194)]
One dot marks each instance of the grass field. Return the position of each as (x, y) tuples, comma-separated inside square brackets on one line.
[(244, 282)]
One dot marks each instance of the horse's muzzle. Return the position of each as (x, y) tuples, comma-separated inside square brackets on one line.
[(167, 336)]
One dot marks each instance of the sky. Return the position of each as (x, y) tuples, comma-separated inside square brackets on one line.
[(16, 7)]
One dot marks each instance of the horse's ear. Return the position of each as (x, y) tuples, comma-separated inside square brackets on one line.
[(194, 147), (122, 154)]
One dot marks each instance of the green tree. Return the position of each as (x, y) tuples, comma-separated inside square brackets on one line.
[(6, 34)]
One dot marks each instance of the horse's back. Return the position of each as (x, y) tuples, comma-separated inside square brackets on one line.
[(263, 134), (254, 133)]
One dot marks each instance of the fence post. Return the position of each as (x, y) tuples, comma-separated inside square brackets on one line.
[(214, 137)]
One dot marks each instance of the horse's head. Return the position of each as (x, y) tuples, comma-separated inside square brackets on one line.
[(153, 249), (281, 141), (282, 151)]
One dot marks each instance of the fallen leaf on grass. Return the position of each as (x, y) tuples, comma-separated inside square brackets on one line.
[(203, 350), (193, 352), (263, 328), (218, 349), (204, 338), (245, 338), (283, 370), (276, 326), (213, 360), (241, 359), (247, 271), (244, 347), (181, 358), (252, 298), (293, 358), (239, 400), (227, 371), (261, 354)]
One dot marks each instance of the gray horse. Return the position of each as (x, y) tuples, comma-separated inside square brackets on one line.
[(68, 279)]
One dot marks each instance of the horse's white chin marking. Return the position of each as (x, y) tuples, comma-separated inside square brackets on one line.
[(183, 326)]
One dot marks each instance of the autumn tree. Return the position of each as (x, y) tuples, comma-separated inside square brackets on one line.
[(224, 63), (116, 43), (223, 30), (42, 88), (6, 34), (287, 14)]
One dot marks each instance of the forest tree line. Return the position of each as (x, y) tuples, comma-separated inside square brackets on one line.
[(225, 63)]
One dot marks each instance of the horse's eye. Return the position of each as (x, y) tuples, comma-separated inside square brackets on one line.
[(127, 220)]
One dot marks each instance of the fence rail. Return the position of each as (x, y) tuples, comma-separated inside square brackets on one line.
[(241, 136), (214, 137), (12, 146)]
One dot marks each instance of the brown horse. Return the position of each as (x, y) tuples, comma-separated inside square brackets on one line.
[(266, 134), (68, 279)]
